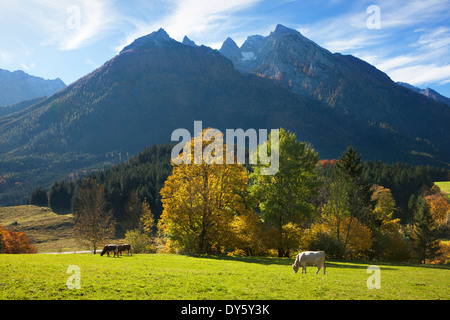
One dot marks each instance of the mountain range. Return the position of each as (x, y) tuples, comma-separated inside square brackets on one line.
[(18, 86), (157, 84), (428, 92), (342, 82)]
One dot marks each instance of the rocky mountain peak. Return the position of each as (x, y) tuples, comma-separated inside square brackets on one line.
[(161, 34), (188, 42), (229, 44), (17, 86), (281, 31), (253, 43), (157, 38), (231, 50)]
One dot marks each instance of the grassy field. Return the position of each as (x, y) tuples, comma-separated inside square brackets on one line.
[(159, 276), (444, 186), (177, 277), (48, 231)]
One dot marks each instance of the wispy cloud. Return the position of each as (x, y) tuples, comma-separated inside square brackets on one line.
[(406, 13), (436, 39), (389, 64), (422, 74), (67, 24), (426, 62), (199, 17), (203, 19), (411, 46), (93, 20), (345, 45)]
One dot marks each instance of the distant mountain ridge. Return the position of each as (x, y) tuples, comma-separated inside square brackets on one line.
[(19, 86), (157, 84), (343, 82), (19, 106), (428, 92), (264, 56)]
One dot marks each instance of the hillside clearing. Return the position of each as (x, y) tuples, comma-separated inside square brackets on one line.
[(48, 231), (444, 186)]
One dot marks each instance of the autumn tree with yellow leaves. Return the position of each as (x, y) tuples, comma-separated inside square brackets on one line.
[(388, 238), (439, 207), (202, 198)]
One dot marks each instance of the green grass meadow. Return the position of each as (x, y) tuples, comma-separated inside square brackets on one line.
[(444, 186), (178, 277)]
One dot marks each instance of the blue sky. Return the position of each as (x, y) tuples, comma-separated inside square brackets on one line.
[(70, 38)]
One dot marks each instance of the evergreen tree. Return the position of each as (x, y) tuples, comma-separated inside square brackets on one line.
[(349, 168), (350, 164), (133, 212), (60, 196), (424, 232), (38, 197)]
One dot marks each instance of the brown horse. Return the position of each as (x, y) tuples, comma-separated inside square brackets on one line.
[(110, 248), (124, 247)]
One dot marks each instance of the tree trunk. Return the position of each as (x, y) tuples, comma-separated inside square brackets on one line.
[(348, 232)]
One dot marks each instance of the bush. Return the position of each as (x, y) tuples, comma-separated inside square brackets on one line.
[(247, 236), (322, 236), (443, 254), (15, 242), (140, 242), (2, 244), (390, 246), (333, 248)]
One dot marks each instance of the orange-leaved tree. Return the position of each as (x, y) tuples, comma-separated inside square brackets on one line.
[(439, 207), (15, 242)]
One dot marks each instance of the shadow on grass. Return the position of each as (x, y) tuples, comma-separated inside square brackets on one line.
[(349, 264), (62, 211), (257, 260)]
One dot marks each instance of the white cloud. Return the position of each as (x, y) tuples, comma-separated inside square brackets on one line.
[(422, 74), (25, 67), (81, 30), (415, 68), (394, 63), (413, 44), (197, 19), (414, 37), (6, 57), (342, 45), (406, 13), (51, 22), (435, 39), (92, 63)]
